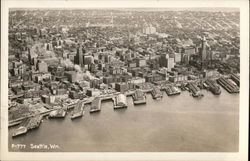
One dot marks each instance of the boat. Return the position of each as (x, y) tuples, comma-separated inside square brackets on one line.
[(139, 97), (120, 101), (78, 110)]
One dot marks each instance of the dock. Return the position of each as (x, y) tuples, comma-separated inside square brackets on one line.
[(78, 110), (71, 105), (236, 79), (227, 85), (194, 89), (14, 123), (172, 90), (95, 105), (34, 122), (139, 97), (27, 124), (156, 93), (59, 113), (19, 120), (109, 96), (120, 101), (212, 86), (20, 131), (129, 93)]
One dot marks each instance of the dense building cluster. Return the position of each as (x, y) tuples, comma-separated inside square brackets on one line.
[(57, 56)]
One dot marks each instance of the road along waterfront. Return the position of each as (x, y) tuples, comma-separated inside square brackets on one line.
[(178, 123)]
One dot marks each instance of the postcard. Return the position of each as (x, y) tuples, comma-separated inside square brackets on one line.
[(124, 80)]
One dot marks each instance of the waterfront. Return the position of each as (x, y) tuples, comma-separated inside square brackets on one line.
[(173, 124)]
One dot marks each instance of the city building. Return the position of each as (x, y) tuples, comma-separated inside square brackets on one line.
[(166, 61), (93, 92), (149, 30), (42, 67), (79, 59), (71, 75), (203, 49), (121, 87)]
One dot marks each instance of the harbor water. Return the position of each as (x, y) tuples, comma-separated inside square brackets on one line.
[(178, 123)]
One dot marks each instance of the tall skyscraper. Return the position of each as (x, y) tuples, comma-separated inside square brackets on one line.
[(203, 49), (79, 56)]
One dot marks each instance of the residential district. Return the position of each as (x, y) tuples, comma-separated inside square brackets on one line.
[(64, 59)]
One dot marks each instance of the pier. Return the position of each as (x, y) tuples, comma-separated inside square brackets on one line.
[(236, 79), (71, 105), (59, 113), (109, 96), (78, 110), (212, 86), (139, 97), (194, 89), (19, 120), (95, 105), (227, 85), (156, 93), (14, 123), (172, 90), (120, 101), (27, 124), (129, 93)]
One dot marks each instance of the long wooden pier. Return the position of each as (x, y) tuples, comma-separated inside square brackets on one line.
[(78, 110), (95, 105)]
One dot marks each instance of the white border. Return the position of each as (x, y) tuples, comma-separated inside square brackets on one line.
[(244, 80)]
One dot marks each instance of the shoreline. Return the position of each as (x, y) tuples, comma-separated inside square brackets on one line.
[(139, 114)]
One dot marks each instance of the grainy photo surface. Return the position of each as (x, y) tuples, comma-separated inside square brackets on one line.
[(123, 80)]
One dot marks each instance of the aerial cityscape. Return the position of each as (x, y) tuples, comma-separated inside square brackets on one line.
[(123, 80)]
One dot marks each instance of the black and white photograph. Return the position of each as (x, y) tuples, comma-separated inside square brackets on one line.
[(124, 79)]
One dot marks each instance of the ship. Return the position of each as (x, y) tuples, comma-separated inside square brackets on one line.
[(120, 101), (139, 97), (78, 110), (212, 86), (156, 93)]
